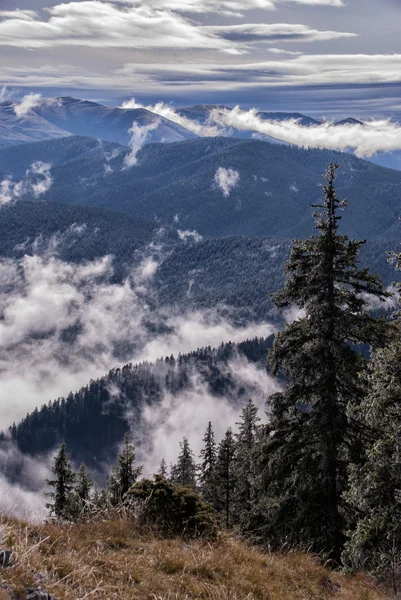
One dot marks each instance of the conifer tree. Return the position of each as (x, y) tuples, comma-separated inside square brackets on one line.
[(163, 471), (208, 456), (246, 464), (184, 472), (312, 435), (375, 486), (224, 477), (63, 484), (124, 474), (83, 487)]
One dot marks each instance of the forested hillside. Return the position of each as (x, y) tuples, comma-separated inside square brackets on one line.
[(175, 184), (94, 420)]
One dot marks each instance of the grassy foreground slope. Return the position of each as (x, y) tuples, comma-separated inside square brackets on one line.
[(115, 559)]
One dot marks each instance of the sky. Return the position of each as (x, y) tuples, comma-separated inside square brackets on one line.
[(324, 57)]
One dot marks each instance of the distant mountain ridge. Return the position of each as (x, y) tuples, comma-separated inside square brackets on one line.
[(63, 116)]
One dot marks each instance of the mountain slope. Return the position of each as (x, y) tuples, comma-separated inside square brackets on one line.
[(109, 558), (94, 420), (27, 128), (109, 123), (175, 184), (80, 232)]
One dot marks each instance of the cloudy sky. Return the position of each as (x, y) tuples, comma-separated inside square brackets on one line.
[(324, 57)]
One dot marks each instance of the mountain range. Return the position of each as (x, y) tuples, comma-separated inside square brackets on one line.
[(60, 117)]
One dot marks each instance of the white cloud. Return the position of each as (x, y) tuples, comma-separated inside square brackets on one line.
[(27, 103), (43, 184), (104, 24), (227, 180), (227, 7), (23, 15), (286, 52), (167, 111), (264, 32), (189, 235), (298, 71), (62, 324), (139, 135), (25, 499), (365, 140), (37, 181)]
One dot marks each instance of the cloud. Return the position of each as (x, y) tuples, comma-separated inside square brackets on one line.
[(189, 235), (167, 111), (62, 324), (227, 180), (264, 32), (139, 135), (25, 498), (297, 71), (23, 15), (286, 52), (27, 103), (104, 24), (365, 140), (37, 181), (228, 7), (164, 425)]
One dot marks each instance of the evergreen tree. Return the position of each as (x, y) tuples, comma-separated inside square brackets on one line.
[(163, 471), (63, 484), (83, 487), (375, 486), (208, 456), (124, 474), (184, 472), (224, 477), (246, 464), (312, 435)]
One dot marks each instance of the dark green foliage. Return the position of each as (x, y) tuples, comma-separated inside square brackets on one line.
[(184, 471), (374, 494), (207, 466), (124, 474), (83, 232), (174, 509), (313, 435), (247, 465), (82, 489), (225, 478), (62, 495)]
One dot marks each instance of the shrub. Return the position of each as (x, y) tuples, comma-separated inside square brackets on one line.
[(174, 509)]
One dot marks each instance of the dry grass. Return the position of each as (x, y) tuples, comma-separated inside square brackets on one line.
[(114, 559)]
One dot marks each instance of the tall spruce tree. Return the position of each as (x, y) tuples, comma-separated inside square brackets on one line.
[(246, 465), (62, 495), (224, 477), (184, 472), (375, 486), (208, 456), (312, 435), (124, 474)]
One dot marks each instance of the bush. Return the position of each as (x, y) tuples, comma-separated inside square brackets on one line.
[(174, 509)]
